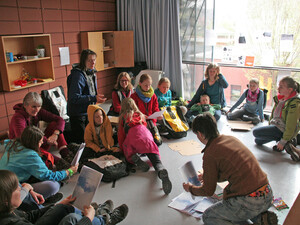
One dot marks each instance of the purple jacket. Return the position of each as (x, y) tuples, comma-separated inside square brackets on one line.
[(21, 120)]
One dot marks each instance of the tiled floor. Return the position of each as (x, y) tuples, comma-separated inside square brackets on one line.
[(147, 203)]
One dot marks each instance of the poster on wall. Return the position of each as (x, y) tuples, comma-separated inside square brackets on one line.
[(286, 43)]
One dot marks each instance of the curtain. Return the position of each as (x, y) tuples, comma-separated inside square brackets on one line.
[(156, 35)]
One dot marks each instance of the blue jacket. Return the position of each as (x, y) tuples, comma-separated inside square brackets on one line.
[(79, 97), (163, 99), (26, 163), (221, 82), (251, 107)]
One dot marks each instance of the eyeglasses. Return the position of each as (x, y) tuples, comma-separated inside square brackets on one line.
[(123, 80), (91, 60)]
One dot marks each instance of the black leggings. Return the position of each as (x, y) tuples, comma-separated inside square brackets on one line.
[(156, 162)]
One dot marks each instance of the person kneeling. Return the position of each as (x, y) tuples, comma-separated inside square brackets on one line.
[(248, 194)]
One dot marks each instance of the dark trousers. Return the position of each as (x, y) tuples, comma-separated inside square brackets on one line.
[(156, 162), (78, 124)]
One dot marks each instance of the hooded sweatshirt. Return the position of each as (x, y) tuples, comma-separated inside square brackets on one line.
[(90, 135)]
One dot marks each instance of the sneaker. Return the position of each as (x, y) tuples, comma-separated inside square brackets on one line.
[(255, 121), (140, 163), (294, 141), (73, 147), (105, 209), (289, 148), (53, 199), (62, 165), (118, 214), (269, 218), (166, 183), (157, 139), (276, 149)]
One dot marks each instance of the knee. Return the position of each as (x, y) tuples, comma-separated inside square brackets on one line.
[(52, 187), (72, 218)]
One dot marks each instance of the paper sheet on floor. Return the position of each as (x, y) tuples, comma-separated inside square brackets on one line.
[(189, 147), (240, 125)]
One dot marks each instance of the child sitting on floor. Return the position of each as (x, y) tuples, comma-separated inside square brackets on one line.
[(201, 107), (147, 103), (122, 89), (253, 109), (134, 138), (163, 92), (98, 134)]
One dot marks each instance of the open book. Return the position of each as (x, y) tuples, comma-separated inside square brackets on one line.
[(86, 186)]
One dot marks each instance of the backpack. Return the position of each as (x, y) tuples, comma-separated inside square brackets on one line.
[(265, 91), (111, 167), (54, 101), (174, 123)]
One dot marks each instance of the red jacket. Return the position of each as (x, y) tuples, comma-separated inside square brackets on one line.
[(146, 108), (117, 97), (20, 121)]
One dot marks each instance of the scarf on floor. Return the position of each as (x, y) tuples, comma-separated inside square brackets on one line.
[(144, 95), (252, 96)]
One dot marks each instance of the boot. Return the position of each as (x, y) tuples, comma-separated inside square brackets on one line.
[(289, 148), (166, 183), (140, 163), (118, 214), (103, 209), (269, 218)]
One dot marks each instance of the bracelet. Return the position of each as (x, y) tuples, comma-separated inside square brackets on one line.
[(70, 172)]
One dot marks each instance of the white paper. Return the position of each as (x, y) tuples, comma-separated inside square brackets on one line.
[(64, 56), (204, 204), (156, 114), (86, 186), (78, 154), (105, 161)]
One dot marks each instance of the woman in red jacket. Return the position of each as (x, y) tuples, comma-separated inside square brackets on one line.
[(146, 101)]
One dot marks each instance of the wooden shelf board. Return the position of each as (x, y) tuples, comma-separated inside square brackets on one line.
[(31, 85), (27, 60)]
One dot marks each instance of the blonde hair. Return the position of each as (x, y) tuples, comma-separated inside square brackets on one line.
[(254, 80), (291, 83), (144, 77), (128, 108), (212, 66), (164, 80), (120, 76)]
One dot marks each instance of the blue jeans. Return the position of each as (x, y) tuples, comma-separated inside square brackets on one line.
[(46, 188), (237, 210), (74, 218), (266, 134)]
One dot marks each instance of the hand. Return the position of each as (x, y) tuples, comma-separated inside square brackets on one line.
[(102, 150), (89, 212), (160, 118), (200, 177), (100, 98), (227, 112), (27, 186), (74, 168), (280, 146), (186, 186), (38, 198), (198, 103), (68, 200), (117, 150), (52, 140)]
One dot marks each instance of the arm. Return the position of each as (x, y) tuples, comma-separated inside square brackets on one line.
[(155, 107), (169, 94), (121, 134), (116, 102), (89, 140), (37, 168), (49, 117), (75, 88), (260, 105), (239, 101), (292, 120), (222, 80), (17, 125), (196, 97)]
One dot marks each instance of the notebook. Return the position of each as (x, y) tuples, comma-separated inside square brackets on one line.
[(78, 155)]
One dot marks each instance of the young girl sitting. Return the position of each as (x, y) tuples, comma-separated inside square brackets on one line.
[(22, 157), (253, 109), (134, 137), (163, 92), (123, 89), (98, 134), (147, 103)]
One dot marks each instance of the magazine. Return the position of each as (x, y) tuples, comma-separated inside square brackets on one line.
[(189, 173), (78, 154), (86, 186)]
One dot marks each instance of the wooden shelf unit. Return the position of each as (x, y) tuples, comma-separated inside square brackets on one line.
[(40, 68), (114, 48)]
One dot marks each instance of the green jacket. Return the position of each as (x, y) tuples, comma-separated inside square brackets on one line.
[(290, 115), (209, 108)]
